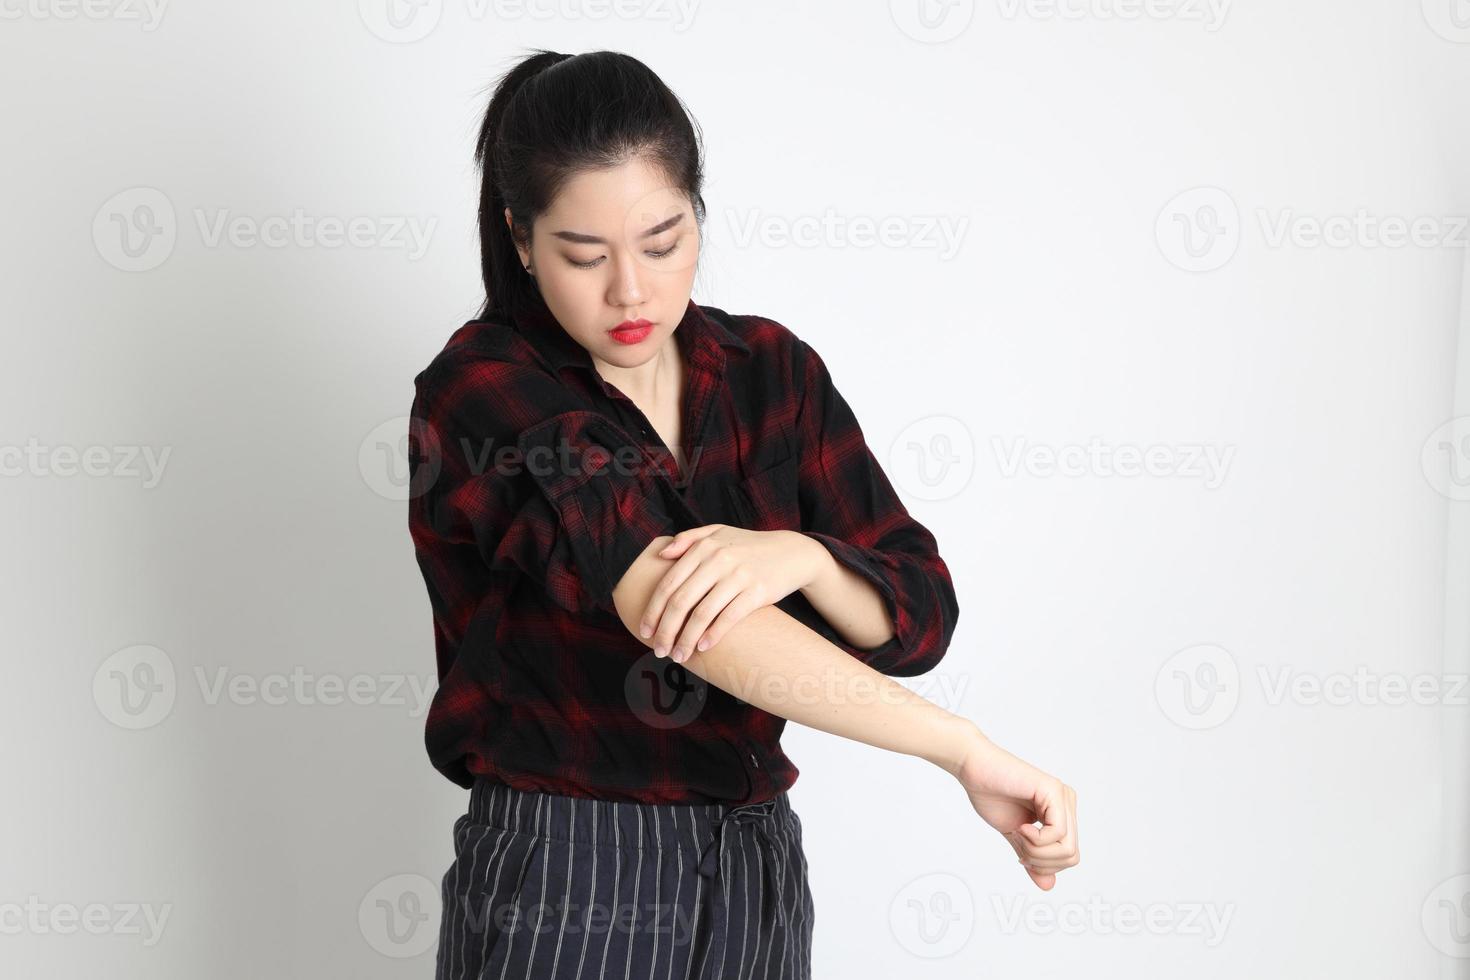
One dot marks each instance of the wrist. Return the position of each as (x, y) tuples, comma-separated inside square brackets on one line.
[(809, 563), (816, 559), (962, 740)]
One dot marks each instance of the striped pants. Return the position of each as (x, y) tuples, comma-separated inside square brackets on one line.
[(551, 886)]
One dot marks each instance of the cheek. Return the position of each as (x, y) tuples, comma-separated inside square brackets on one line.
[(576, 303), (685, 260), (571, 293)]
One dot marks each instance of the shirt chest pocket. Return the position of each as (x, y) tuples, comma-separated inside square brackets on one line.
[(767, 499)]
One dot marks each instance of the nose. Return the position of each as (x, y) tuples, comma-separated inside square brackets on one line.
[(628, 291)]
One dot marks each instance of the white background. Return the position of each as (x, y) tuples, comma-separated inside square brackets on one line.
[(1127, 633)]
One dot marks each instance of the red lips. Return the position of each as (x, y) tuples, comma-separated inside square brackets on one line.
[(631, 331)]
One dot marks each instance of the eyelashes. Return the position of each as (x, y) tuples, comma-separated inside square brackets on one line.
[(653, 255)]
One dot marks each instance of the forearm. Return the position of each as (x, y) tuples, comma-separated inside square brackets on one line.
[(846, 600), (778, 664)]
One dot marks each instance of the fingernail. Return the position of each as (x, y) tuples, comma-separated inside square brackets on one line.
[(645, 631), (678, 653), (659, 651), (703, 644)]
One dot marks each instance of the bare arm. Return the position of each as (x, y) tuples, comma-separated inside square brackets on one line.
[(845, 599), (780, 665), (776, 663)]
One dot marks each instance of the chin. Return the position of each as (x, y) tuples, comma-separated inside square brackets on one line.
[(624, 355)]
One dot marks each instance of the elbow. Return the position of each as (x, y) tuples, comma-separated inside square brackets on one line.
[(898, 659), (920, 660), (924, 652)]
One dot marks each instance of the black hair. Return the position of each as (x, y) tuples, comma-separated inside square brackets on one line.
[(553, 116)]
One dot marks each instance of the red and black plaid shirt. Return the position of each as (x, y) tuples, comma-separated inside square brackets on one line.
[(535, 486)]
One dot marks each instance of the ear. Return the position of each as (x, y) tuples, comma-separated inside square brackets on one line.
[(525, 253)]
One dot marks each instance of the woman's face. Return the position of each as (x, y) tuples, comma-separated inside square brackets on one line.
[(616, 245)]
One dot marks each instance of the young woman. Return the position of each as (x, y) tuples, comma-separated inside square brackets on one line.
[(652, 533)]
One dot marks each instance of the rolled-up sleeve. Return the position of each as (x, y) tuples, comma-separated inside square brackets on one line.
[(557, 493), (849, 506)]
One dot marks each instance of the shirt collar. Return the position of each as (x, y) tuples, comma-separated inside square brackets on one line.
[(700, 336)]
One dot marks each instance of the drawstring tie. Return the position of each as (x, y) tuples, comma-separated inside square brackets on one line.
[(758, 814)]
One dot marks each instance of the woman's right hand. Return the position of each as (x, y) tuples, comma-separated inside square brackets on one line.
[(1010, 795)]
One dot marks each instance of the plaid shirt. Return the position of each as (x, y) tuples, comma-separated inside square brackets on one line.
[(536, 484)]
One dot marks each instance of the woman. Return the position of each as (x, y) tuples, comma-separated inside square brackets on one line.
[(652, 533)]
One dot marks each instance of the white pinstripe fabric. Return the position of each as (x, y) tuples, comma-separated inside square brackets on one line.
[(550, 886)]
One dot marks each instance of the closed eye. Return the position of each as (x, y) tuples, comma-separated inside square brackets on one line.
[(598, 261)]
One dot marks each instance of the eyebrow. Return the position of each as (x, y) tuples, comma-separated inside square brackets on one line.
[(581, 239)]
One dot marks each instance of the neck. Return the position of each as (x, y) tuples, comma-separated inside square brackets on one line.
[(649, 383)]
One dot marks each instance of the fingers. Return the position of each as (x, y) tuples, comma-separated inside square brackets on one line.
[(738, 608), (1051, 848), (1050, 804), (718, 598), (675, 597), (684, 539), (1046, 882), (653, 626)]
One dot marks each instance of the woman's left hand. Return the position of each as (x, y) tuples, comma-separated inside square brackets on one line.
[(722, 573)]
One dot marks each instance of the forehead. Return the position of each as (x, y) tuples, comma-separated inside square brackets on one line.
[(622, 200)]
